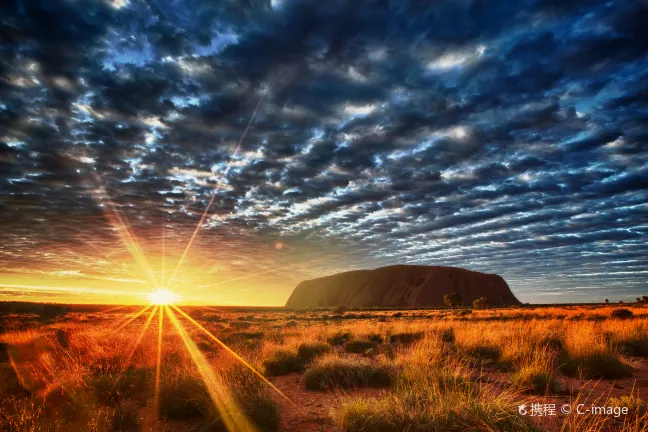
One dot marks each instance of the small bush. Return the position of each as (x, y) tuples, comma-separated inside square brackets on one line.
[(480, 303), (594, 366), (375, 337), (621, 313), (290, 324), (282, 363), (535, 380), (309, 351), (183, 397), (240, 325), (336, 372), (339, 338), (339, 310), (406, 337), (360, 346)]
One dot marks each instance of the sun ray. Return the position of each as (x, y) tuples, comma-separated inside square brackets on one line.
[(131, 319), (125, 233), (234, 354), (213, 197), (158, 364), (233, 417), (137, 342), (114, 309)]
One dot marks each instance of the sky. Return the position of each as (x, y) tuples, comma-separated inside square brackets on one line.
[(321, 136)]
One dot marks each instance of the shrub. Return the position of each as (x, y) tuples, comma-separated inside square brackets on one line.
[(240, 325), (431, 398), (183, 397), (535, 379), (339, 310), (453, 300), (335, 372), (360, 346), (114, 387), (594, 366), (480, 303), (309, 351), (339, 338), (621, 313), (290, 324), (375, 337), (463, 312), (283, 362), (406, 337)]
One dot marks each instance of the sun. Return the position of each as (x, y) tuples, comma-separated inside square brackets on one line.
[(163, 296)]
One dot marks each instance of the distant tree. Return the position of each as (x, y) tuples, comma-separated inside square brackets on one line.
[(644, 299), (607, 301), (638, 299), (453, 300), (480, 303), (620, 301)]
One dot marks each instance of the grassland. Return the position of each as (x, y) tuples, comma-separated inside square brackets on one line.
[(411, 370)]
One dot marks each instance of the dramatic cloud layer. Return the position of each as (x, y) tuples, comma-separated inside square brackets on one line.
[(468, 133)]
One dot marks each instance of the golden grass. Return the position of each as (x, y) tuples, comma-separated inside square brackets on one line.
[(79, 374)]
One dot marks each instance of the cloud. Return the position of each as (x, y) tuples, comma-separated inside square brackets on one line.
[(470, 133)]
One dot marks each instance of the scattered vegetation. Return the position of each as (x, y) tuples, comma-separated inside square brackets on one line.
[(474, 367), (331, 372), (309, 351)]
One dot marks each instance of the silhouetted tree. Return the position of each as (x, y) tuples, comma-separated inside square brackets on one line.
[(480, 303), (607, 301), (644, 299), (453, 300)]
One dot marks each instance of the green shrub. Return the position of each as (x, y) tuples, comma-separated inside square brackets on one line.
[(282, 363), (336, 372), (535, 380), (480, 303), (339, 338), (183, 397), (309, 351), (594, 366), (406, 337)]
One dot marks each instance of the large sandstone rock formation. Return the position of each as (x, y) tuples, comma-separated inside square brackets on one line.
[(400, 286)]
